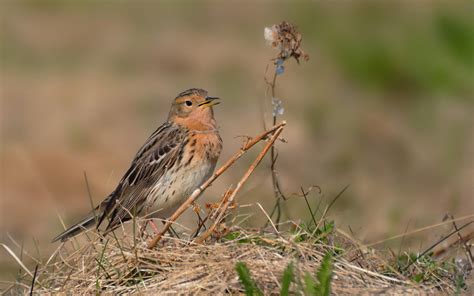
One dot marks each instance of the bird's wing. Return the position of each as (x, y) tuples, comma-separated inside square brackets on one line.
[(159, 153)]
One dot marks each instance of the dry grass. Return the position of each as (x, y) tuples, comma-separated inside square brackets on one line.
[(136, 264), (122, 265)]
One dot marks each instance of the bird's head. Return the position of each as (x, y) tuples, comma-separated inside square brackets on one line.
[(193, 109)]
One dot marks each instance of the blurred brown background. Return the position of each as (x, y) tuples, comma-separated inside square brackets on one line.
[(385, 104)]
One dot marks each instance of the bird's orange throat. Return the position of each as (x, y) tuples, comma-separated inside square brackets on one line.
[(200, 120)]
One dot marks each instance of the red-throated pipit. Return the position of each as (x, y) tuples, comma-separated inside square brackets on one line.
[(175, 160)]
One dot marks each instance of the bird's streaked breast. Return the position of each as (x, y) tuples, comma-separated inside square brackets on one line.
[(192, 168)]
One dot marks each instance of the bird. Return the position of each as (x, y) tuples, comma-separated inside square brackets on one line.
[(176, 159)]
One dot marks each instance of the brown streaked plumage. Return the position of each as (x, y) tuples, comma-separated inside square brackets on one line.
[(176, 159)]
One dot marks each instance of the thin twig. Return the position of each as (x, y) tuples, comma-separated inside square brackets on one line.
[(275, 181), (437, 243), (309, 207), (33, 280), (222, 169), (213, 213), (200, 225), (268, 217), (18, 260), (21, 248), (403, 238), (418, 230), (463, 242), (244, 178), (361, 247), (328, 208), (225, 196), (89, 194)]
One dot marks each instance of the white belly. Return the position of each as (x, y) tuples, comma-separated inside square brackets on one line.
[(172, 190)]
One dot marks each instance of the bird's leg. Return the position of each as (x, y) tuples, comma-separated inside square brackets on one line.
[(201, 222), (172, 232), (142, 230), (153, 225), (197, 209), (150, 222)]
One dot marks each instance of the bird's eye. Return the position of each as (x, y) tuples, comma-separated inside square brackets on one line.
[(188, 103)]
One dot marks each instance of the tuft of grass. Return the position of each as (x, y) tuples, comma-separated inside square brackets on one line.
[(320, 288), (288, 276), (324, 277), (245, 278)]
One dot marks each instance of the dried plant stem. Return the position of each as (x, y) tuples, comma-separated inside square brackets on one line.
[(419, 230), (230, 199), (463, 241), (287, 39), (273, 155), (249, 144), (457, 230)]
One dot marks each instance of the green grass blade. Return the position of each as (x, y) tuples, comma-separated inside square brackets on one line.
[(309, 285), (288, 276), (249, 284), (324, 276)]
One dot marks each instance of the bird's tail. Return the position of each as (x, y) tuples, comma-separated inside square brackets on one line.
[(77, 228)]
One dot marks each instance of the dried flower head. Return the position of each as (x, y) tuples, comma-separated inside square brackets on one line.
[(287, 39)]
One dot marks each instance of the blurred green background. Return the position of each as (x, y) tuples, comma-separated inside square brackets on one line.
[(385, 104)]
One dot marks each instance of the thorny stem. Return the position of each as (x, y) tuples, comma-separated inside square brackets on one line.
[(249, 144)]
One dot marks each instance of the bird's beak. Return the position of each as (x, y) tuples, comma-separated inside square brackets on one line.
[(210, 101)]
